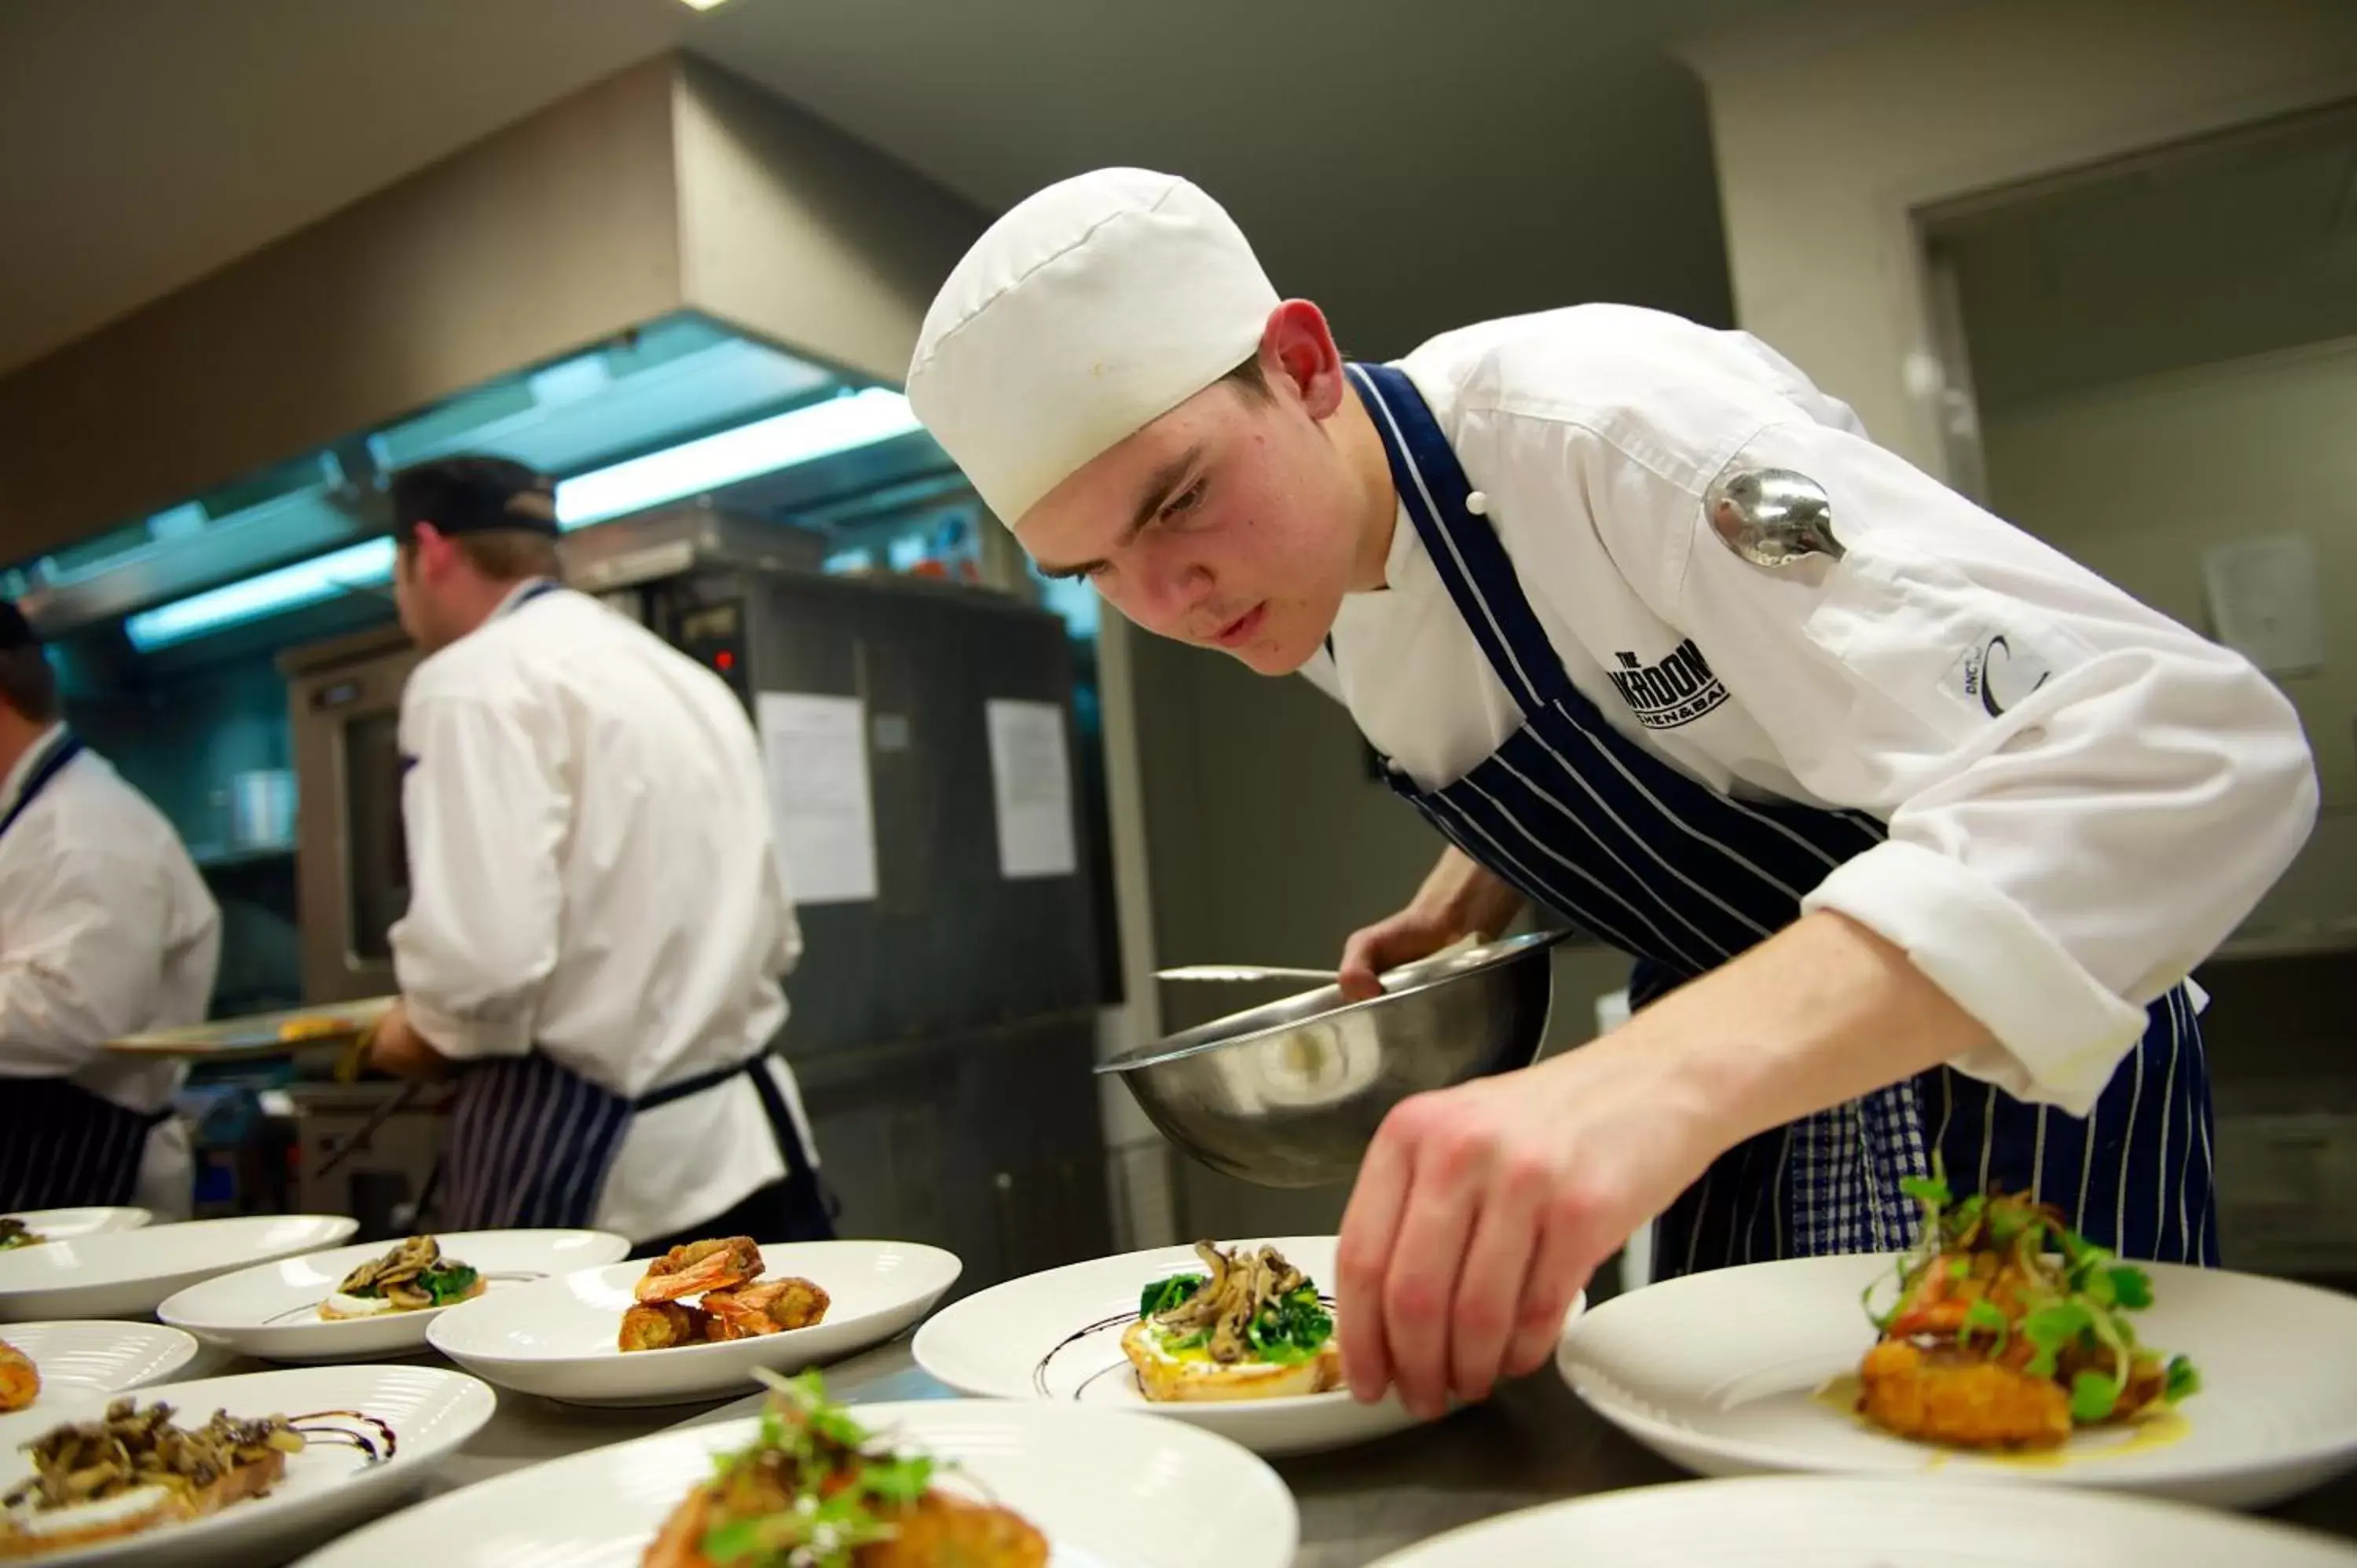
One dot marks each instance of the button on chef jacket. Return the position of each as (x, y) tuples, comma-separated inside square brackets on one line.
[(106, 929), (593, 873), (2082, 797)]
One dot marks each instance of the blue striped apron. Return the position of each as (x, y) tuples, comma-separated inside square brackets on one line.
[(1585, 821), (60, 1144), (532, 1142)]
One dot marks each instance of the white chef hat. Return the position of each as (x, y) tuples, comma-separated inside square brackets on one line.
[(1088, 311)]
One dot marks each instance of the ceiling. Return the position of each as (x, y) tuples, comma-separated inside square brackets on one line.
[(1404, 166)]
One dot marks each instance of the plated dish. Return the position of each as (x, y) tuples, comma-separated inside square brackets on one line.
[(358, 1302), (140, 1467), (50, 1361), (129, 1274), (249, 1469), (1123, 1332), (961, 1483), (2010, 1330), (566, 1338), (816, 1489)]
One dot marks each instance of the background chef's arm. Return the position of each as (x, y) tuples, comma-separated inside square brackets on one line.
[(2084, 797), (81, 965), (484, 806)]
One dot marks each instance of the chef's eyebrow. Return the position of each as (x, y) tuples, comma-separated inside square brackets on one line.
[(1159, 489)]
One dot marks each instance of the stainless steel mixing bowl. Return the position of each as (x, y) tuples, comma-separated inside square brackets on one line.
[(1290, 1094)]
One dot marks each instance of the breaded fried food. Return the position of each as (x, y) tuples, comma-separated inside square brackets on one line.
[(1949, 1396), (660, 1325)]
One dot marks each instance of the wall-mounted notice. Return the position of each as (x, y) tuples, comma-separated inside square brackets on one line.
[(1031, 784), (2263, 602), (816, 752)]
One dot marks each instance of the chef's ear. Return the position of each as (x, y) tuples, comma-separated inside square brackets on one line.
[(1298, 352)]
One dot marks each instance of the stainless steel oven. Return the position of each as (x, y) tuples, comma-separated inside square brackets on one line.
[(344, 705)]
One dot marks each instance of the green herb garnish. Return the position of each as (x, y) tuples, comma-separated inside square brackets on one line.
[(1163, 1295), (2070, 1298)]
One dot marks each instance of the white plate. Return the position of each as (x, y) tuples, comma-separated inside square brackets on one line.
[(1056, 1335), (128, 1274), (273, 1311), (77, 1358), (1846, 1521), (1727, 1373), (327, 1488), (63, 1224), (557, 1337), (1109, 1490)]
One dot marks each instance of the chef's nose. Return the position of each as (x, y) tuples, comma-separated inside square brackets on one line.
[(1178, 588)]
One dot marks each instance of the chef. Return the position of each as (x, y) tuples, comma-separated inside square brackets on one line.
[(597, 920), (105, 930), (1914, 827)]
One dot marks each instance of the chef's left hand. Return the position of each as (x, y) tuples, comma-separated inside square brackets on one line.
[(400, 1050), (1480, 1211)]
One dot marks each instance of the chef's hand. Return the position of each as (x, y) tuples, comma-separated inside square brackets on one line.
[(1460, 899), (1481, 1210), (400, 1050)]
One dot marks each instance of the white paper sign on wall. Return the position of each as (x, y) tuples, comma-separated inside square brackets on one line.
[(1031, 787), (2263, 602)]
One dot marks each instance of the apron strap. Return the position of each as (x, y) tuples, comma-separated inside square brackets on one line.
[(1465, 550), (64, 750)]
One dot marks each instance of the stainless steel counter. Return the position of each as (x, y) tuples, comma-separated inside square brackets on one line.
[(1533, 1443)]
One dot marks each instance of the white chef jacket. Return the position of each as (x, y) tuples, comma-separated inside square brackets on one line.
[(2084, 797), (106, 929), (594, 873)]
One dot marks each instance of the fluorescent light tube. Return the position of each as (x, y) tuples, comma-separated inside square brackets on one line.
[(800, 436), (363, 565)]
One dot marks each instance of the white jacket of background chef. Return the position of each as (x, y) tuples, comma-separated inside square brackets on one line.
[(106, 929), (593, 872), (2057, 858)]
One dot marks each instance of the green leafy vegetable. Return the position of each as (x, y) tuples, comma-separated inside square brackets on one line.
[(1930, 1191), (1984, 1317), (448, 1285), (2181, 1381), (1291, 1329), (2093, 1396), (2131, 1287), (1163, 1295), (2051, 1330)]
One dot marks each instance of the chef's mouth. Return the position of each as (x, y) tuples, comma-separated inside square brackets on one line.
[(1242, 629)]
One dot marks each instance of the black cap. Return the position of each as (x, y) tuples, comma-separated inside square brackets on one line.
[(15, 631), (474, 495)]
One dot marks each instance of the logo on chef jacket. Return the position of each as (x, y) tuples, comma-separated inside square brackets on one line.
[(1672, 691), (1997, 672)]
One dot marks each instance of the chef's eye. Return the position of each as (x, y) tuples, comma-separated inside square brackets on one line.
[(1185, 501)]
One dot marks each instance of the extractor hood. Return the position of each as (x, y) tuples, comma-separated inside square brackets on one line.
[(664, 283)]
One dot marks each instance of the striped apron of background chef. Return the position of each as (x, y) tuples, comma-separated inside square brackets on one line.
[(59, 1143), (1584, 820), (531, 1141)]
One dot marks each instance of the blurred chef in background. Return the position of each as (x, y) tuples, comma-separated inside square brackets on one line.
[(105, 930), (598, 917)]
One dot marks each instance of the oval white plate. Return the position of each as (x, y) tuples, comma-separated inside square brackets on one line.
[(1846, 1521), (327, 1488), (78, 1358), (1056, 1335), (128, 1274), (557, 1337), (273, 1311), (1108, 1490), (64, 1224), (1722, 1372)]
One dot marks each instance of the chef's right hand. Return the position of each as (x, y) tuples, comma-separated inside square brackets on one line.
[(1460, 899)]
